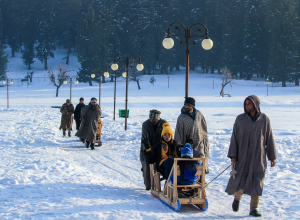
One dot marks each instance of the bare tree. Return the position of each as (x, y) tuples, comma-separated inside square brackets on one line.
[(135, 76), (59, 80), (226, 79)]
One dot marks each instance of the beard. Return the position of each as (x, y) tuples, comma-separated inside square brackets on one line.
[(188, 110)]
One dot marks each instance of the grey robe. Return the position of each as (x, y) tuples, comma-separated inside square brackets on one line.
[(66, 120), (250, 143), (197, 129), (89, 123)]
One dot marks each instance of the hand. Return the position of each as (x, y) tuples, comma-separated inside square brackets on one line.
[(233, 159), (273, 162), (146, 142), (189, 140)]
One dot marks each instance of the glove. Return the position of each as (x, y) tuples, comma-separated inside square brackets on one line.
[(189, 140), (146, 142)]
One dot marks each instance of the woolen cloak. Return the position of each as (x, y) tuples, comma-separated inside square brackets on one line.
[(66, 120)]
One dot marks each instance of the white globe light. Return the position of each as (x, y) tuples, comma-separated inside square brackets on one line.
[(4, 82), (76, 82), (106, 74), (168, 43), (114, 66), (65, 82), (207, 44), (140, 67), (11, 82), (93, 75), (124, 74)]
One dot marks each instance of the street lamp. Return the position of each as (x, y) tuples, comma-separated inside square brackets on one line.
[(106, 75), (8, 81), (168, 80), (268, 86), (168, 43), (71, 78), (127, 60)]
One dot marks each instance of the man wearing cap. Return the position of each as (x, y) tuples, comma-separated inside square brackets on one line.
[(151, 132), (89, 123), (191, 128), (77, 113), (67, 110), (251, 142)]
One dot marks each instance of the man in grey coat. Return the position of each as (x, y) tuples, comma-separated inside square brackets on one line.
[(191, 128), (89, 123), (151, 135), (251, 141)]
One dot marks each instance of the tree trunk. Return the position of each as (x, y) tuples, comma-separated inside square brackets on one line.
[(46, 63), (29, 66), (138, 84), (297, 81), (57, 87), (103, 79), (222, 91), (69, 48), (111, 78), (283, 83), (12, 52), (90, 82)]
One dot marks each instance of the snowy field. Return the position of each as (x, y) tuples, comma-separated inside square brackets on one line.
[(46, 176)]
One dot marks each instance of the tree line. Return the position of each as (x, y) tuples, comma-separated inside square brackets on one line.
[(250, 36)]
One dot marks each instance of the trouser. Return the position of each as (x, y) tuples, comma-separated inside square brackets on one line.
[(254, 199), (166, 166), (78, 121), (146, 174)]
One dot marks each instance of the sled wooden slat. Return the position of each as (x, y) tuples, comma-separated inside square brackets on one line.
[(192, 201)]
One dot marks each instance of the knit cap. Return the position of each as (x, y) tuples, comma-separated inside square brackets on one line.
[(167, 129), (187, 150)]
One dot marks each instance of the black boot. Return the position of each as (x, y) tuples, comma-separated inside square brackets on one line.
[(255, 213), (69, 133), (87, 144), (235, 205), (64, 133), (92, 146)]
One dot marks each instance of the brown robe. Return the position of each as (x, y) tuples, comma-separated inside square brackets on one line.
[(89, 123), (251, 141), (66, 120)]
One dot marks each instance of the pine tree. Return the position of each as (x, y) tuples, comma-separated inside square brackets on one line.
[(3, 64), (46, 34)]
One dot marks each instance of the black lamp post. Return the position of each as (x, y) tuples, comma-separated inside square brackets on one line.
[(106, 74), (8, 81), (132, 59), (71, 78), (207, 43)]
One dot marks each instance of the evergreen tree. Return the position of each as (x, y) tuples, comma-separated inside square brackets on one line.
[(3, 64), (46, 34)]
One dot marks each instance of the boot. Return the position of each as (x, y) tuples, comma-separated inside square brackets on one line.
[(255, 213), (235, 205), (87, 144), (69, 133), (92, 146), (64, 133)]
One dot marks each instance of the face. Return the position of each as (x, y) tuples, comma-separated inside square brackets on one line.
[(249, 106), (94, 103), (68, 103), (81, 101), (153, 121), (188, 108), (167, 137)]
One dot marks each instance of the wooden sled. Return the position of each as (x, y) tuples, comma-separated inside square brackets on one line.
[(98, 134), (169, 194)]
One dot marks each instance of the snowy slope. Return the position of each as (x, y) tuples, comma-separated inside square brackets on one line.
[(45, 176)]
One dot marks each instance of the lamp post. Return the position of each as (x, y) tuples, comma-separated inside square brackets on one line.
[(8, 81), (267, 86), (106, 74), (168, 43), (132, 59), (71, 78), (213, 82), (168, 80), (116, 73)]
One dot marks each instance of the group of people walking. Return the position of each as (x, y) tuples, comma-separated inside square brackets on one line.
[(86, 117), (251, 142)]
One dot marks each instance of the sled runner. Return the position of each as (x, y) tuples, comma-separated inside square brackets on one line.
[(98, 134), (175, 195)]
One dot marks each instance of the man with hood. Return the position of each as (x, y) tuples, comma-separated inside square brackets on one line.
[(251, 141), (77, 113), (151, 135), (191, 128), (67, 110), (89, 123)]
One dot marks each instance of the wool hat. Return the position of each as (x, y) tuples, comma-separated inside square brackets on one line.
[(93, 99), (187, 151), (68, 101), (167, 129), (189, 101), (154, 114), (81, 99)]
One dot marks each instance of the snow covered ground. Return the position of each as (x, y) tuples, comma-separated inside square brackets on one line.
[(46, 176)]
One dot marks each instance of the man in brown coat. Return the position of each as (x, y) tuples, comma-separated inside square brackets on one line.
[(89, 123), (67, 110), (251, 141)]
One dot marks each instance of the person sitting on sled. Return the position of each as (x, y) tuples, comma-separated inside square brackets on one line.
[(188, 169), (164, 152)]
